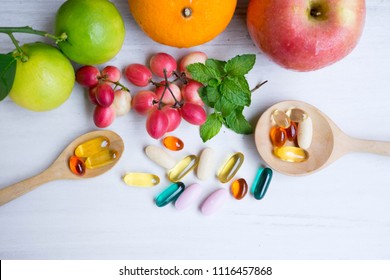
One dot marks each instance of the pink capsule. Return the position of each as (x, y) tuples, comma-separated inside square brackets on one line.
[(188, 197), (214, 202)]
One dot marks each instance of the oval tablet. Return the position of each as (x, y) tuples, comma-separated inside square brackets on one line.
[(188, 197), (305, 133), (214, 202), (206, 164), (160, 157)]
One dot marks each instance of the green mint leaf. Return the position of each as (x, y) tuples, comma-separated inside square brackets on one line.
[(224, 106), (211, 127), (7, 74), (202, 73), (209, 95), (237, 122), (232, 90), (217, 65), (240, 64)]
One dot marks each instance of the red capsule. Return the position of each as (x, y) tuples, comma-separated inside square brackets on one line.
[(291, 131)]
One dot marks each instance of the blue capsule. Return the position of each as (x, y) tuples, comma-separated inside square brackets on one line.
[(261, 182), (170, 194)]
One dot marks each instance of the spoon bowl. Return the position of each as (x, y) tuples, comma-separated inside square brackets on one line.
[(328, 144), (59, 169)]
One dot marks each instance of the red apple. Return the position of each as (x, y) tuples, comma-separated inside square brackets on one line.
[(306, 35)]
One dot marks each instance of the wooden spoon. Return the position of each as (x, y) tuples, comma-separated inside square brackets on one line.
[(329, 142), (60, 168)]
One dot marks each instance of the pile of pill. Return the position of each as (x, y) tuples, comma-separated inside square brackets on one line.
[(92, 154), (182, 196), (291, 134)]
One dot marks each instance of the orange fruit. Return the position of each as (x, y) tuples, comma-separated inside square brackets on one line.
[(182, 23)]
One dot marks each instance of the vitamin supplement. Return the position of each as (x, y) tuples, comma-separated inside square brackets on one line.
[(261, 182), (305, 133), (188, 197), (173, 143), (291, 154), (230, 167), (278, 136), (214, 202), (141, 179), (92, 146), (296, 115), (77, 165), (170, 194), (101, 159), (182, 168), (206, 164), (291, 131), (280, 118), (239, 188), (160, 157)]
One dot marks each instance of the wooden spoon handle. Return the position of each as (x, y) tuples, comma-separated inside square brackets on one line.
[(18, 189), (369, 146)]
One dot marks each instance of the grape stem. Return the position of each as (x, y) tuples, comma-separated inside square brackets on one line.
[(166, 87), (117, 84)]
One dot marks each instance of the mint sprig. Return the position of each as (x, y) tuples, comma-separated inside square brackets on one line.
[(226, 90)]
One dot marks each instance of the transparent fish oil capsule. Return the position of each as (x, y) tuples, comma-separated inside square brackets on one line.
[(101, 159), (138, 179), (182, 168), (280, 118), (230, 167), (92, 146), (296, 115), (291, 154)]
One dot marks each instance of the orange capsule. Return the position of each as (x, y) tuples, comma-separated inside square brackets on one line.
[(173, 143), (291, 131), (77, 165), (239, 188), (278, 136)]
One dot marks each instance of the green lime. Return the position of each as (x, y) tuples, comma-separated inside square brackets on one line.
[(94, 28), (44, 81)]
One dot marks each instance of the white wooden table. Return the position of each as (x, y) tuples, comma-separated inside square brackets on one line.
[(341, 212)]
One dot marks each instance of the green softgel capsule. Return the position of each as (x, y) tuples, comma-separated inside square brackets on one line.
[(261, 182), (170, 194)]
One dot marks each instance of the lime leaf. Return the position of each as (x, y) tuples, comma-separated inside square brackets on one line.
[(211, 127), (233, 91), (237, 122), (240, 64), (7, 74), (217, 65), (202, 73)]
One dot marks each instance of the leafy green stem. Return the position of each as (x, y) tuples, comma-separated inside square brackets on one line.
[(30, 30)]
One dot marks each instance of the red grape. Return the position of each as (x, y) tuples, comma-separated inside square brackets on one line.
[(88, 76), (193, 113), (111, 73), (104, 95), (157, 123), (174, 117), (168, 98), (162, 61), (190, 92), (103, 116), (138, 74), (143, 101)]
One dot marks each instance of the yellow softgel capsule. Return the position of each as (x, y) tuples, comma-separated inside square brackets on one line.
[(182, 168), (92, 146), (230, 167), (291, 154), (137, 179), (101, 159)]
